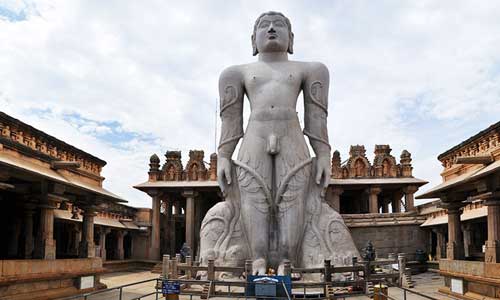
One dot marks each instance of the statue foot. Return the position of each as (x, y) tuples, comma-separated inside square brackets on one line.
[(281, 267), (259, 267)]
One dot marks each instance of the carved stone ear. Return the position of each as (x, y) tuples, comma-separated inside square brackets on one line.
[(290, 44), (254, 46)]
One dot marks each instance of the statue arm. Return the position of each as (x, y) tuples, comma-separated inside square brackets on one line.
[(231, 111), (315, 90)]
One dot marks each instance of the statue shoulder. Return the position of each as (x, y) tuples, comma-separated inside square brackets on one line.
[(232, 73), (317, 69)]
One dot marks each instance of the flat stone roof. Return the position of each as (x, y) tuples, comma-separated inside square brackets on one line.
[(378, 181), (211, 183), (32, 168), (468, 177)]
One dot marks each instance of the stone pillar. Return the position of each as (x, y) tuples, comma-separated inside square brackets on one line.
[(373, 198), (385, 206), (409, 197), (190, 218), (334, 197), (13, 240), (177, 208), (171, 228), (440, 242), (396, 202), (492, 254), (46, 245), (102, 241), (467, 233), (455, 247), (29, 211), (87, 247), (154, 251), (75, 239), (120, 253)]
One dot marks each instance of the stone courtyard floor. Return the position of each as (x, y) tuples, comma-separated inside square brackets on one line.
[(425, 283)]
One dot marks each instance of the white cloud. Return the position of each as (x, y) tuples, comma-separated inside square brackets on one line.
[(421, 76)]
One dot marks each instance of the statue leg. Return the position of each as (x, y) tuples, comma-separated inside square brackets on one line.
[(254, 178), (291, 204)]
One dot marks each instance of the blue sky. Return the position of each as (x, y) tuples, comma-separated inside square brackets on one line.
[(123, 80)]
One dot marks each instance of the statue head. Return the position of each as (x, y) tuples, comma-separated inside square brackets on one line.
[(272, 32)]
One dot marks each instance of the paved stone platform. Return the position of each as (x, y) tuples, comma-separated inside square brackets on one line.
[(425, 283)]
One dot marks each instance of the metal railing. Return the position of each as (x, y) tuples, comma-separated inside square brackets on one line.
[(87, 296), (212, 292), (382, 295)]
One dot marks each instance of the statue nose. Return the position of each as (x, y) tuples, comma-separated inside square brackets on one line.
[(271, 29)]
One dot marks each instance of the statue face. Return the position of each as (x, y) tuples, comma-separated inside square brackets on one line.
[(272, 34)]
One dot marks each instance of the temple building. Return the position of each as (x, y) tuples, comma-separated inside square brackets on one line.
[(375, 199), (465, 221), (59, 228)]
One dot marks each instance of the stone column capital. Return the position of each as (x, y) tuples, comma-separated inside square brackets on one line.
[(466, 226), (189, 193), (153, 193), (411, 189), (373, 190), (438, 230), (89, 211), (452, 207), (104, 230)]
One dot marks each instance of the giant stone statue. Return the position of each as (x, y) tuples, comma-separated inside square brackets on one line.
[(274, 208)]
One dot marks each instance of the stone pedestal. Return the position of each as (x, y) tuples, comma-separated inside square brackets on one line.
[(87, 247), (492, 254)]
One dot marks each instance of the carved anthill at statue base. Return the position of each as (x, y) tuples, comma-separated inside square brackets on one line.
[(274, 209)]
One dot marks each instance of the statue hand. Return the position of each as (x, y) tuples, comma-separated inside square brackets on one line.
[(323, 170), (224, 171)]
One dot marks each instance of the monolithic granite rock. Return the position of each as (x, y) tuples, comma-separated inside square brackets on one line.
[(274, 208)]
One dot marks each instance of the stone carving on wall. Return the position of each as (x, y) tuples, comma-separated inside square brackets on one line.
[(384, 164), (23, 135), (195, 168), (274, 208), (172, 169), (485, 144), (358, 165)]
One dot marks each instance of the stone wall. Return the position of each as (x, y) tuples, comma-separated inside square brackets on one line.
[(45, 279), (391, 239)]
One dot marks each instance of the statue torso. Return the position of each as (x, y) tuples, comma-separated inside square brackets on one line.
[(272, 90), (273, 85)]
